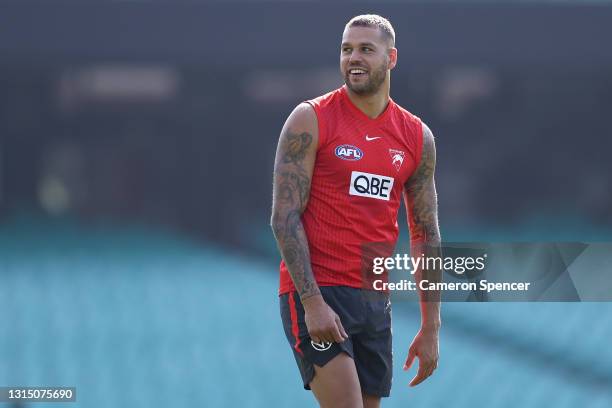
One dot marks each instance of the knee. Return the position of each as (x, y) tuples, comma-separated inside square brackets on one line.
[(370, 401), (348, 401)]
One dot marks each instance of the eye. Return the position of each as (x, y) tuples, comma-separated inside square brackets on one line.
[(366, 49), (346, 49)]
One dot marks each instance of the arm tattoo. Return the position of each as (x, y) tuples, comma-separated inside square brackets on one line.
[(422, 206), (296, 146), (291, 192)]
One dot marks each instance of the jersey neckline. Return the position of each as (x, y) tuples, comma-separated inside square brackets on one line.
[(359, 112)]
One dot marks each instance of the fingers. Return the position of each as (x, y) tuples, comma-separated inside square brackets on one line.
[(420, 377), (324, 336), (329, 335), (409, 359), (426, 369), (427, 365), (341, 329), (336, 334), (325, 326)]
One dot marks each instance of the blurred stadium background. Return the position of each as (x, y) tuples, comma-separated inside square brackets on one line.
[(136, 149)]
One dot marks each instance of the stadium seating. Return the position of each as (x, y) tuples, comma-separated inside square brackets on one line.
[(140, 318)]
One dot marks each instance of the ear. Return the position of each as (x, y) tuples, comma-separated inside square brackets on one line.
[(392, 57)]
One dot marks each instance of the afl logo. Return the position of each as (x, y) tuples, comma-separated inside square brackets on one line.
[(322, 346), (349, 152)]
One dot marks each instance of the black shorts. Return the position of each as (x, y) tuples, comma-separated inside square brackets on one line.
[(366, 317)]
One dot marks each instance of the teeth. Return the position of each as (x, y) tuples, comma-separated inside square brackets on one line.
[(357, 71)]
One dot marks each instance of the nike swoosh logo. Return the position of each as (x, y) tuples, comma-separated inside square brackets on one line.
[(369, 139)]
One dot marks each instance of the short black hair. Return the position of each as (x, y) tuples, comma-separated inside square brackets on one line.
[(375, 21)]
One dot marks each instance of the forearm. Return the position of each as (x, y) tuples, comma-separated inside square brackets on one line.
[(426, 243), (322, 322), (293, 246), (422, 206), (429, 299)]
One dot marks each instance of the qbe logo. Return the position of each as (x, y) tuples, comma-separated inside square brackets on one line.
[(349, 152), (371, 185)]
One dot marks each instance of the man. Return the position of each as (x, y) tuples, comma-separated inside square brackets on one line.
[(343, 161)]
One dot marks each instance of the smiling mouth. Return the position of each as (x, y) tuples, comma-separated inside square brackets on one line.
[(356, 72)]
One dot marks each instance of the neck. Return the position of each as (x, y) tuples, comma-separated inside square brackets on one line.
[(371, 105)]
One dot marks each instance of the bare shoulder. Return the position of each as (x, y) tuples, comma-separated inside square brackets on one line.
[(427, 164), (429, 143), (303, 119), (300, 135)]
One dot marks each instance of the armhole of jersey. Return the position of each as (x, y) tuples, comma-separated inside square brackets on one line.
[(321, 139)]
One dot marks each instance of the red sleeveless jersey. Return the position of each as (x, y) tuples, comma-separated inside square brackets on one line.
[(359, 174)]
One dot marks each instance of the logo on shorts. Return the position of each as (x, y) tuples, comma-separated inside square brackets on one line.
[(397, 158), (349, 152), (370, 185), (322, 346)]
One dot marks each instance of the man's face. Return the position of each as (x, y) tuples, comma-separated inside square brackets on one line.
[(365, 57)]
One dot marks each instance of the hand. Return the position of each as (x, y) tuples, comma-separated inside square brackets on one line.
[(322, 322), (425, 347)]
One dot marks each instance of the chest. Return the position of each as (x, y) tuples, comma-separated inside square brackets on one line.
[(383, 150), (368, 161)]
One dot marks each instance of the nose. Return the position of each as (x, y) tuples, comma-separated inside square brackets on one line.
[(354, 57)]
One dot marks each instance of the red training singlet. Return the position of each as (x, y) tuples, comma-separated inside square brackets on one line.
[(359, 174)]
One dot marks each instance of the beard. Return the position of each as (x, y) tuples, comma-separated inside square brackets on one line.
[(372, 85)]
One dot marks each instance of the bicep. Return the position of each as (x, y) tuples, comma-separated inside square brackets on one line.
[(295, 158), (420, 194)]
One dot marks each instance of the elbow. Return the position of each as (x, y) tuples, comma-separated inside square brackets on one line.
[(276, 224), (424, 235), (283, 220)]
